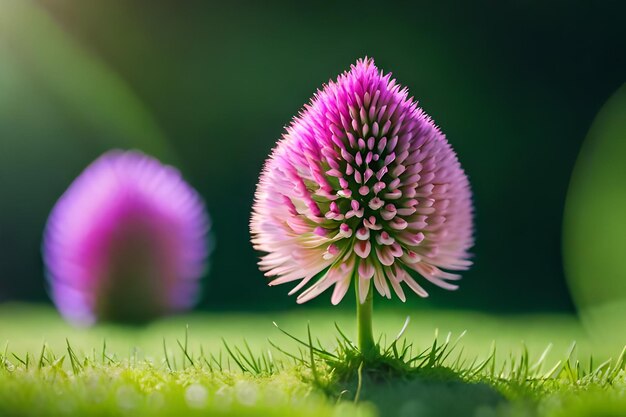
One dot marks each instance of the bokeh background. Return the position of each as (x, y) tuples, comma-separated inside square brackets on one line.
[(209, 86)]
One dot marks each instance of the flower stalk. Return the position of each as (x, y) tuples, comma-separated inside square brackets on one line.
[(365, 334)]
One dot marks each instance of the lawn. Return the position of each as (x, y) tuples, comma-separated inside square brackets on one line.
[(241, 364)]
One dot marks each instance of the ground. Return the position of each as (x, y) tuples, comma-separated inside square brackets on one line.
[(242, 365)]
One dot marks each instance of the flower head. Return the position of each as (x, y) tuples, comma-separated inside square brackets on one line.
[(126, 241), (362, 186)]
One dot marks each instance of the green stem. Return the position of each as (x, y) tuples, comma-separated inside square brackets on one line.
[(366, 343)]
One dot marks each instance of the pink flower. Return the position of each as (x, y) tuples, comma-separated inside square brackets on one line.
[(362, 187), (126, 241)]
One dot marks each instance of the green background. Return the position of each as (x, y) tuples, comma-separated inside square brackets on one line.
[(209, 87)]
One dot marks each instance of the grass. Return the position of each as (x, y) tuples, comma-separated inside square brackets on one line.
[(244, 365)]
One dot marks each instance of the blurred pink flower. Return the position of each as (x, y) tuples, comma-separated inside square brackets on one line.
[(363, 186), (126, 241)]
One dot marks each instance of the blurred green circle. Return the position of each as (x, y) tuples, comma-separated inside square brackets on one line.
[(594, 239)]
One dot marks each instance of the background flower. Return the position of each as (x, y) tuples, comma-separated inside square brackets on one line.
[(126, 241), (364, 185)]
